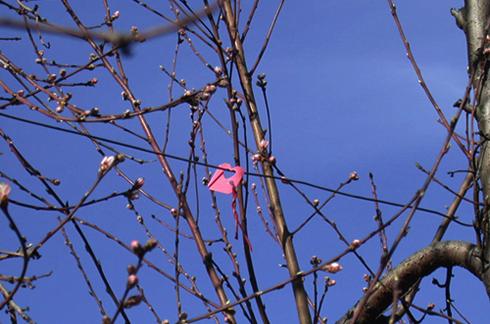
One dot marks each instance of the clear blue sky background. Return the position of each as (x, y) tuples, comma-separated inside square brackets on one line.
[(343, 97)]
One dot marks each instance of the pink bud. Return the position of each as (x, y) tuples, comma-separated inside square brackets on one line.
[(132, 280), (272, 159), (263, 144), (256, 158), (354, 176), (355, 243), (136, 246), (210, 88), (218, 70), (4, 193), (106, 163), (138, 183), (333, 267)]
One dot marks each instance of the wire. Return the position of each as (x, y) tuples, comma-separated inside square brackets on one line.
[(282, 178)]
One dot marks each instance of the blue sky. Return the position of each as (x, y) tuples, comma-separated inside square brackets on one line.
[(343, 97)]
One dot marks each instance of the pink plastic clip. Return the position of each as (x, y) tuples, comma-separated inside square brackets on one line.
[(228, 186), (225, 185)]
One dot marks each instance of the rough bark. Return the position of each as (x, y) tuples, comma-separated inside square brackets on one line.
[(417, 266), (473, 19)]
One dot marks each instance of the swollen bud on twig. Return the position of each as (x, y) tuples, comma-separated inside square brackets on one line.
[(51, 77), (218, 70), (272, 159), (133, 301), (174, 212), (136, 247), (4, 194), (150, 245), (330, 282), (138, 183), (115, 15), (131, 269), (354, 176), (106, 163), (333, 267), (261, 82), (315, 261), (210, 88), (355, 244), (132, 280), (263, 144), (256, 158)]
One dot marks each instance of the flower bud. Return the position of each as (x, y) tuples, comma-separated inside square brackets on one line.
[(354, 176), (331, 282), (4, 194), (272, 159), (263, 144), (133, 301), (136, 247), (51, 77), (138, 183), (106, 163), (333, 267), (150, 244), (210, 88), (131, 269), (218, 70), (132, 280), (355, 243)]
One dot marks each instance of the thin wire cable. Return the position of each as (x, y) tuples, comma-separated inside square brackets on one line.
[(282, 178)]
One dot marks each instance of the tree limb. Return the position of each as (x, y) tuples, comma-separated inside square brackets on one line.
[(420, 264)]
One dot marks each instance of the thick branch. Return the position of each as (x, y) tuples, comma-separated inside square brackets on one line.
[(476, 16), (417, 266), (285, 236)]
